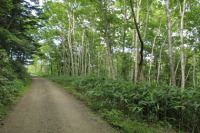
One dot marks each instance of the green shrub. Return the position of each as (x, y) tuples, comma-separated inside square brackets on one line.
[(13, 79)]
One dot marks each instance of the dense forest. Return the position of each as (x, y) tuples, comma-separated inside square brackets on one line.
[(132, 61)]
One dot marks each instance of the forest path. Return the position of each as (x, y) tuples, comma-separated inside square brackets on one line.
[(46, 108)]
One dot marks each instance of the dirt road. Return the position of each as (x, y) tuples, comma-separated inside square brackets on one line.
[(46, 108)]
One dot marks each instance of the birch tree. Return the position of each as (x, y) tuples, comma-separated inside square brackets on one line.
[(172, 76)]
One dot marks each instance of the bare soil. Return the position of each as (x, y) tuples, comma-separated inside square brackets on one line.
[(46, 108)]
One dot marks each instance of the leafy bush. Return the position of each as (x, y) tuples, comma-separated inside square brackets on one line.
[(13, 79), (144, 102)]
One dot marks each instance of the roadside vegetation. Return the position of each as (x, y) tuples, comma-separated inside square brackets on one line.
[(137, 107), (14, 81), (17, 44)]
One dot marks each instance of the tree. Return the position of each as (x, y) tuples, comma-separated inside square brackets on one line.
[(107, 38), (141, 41), (124, 42), (172, 76), (182, 13)]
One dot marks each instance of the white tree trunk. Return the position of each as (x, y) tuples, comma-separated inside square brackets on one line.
[(70, 44), (133, 55), (182, 12), (86, 58), (172, 76), (160, 60), (82, 71), (136, 41), (108, 46), (152, 53)]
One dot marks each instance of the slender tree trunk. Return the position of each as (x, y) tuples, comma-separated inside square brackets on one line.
[(98, 58), (86, 58), (68, 60), (152, 53), (108, 46), (124, 43), (110, 57), (175, 52), (46, 69), (145, 30), (75, 49), (92, 49), (160, 60), (182, 12), (70, 44), (79, 60), (172, 76), (105, 63), (58, 64), (188, 73), (141, 41), (82, 72), (118, 62), (147, 19), (41, 66), (159, 64), (194, 73), (136, 46), (177, 67), (89, 64), (156, 63), (133, 55), (64, 59), (75, 45), (99, 69)]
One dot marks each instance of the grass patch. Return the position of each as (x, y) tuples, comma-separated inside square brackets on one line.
[(4, 108)]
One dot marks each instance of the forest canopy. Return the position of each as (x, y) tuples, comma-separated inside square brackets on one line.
[(100, 37)]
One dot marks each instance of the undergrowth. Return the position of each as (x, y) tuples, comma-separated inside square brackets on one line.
[(131, 107), (14, 81)]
